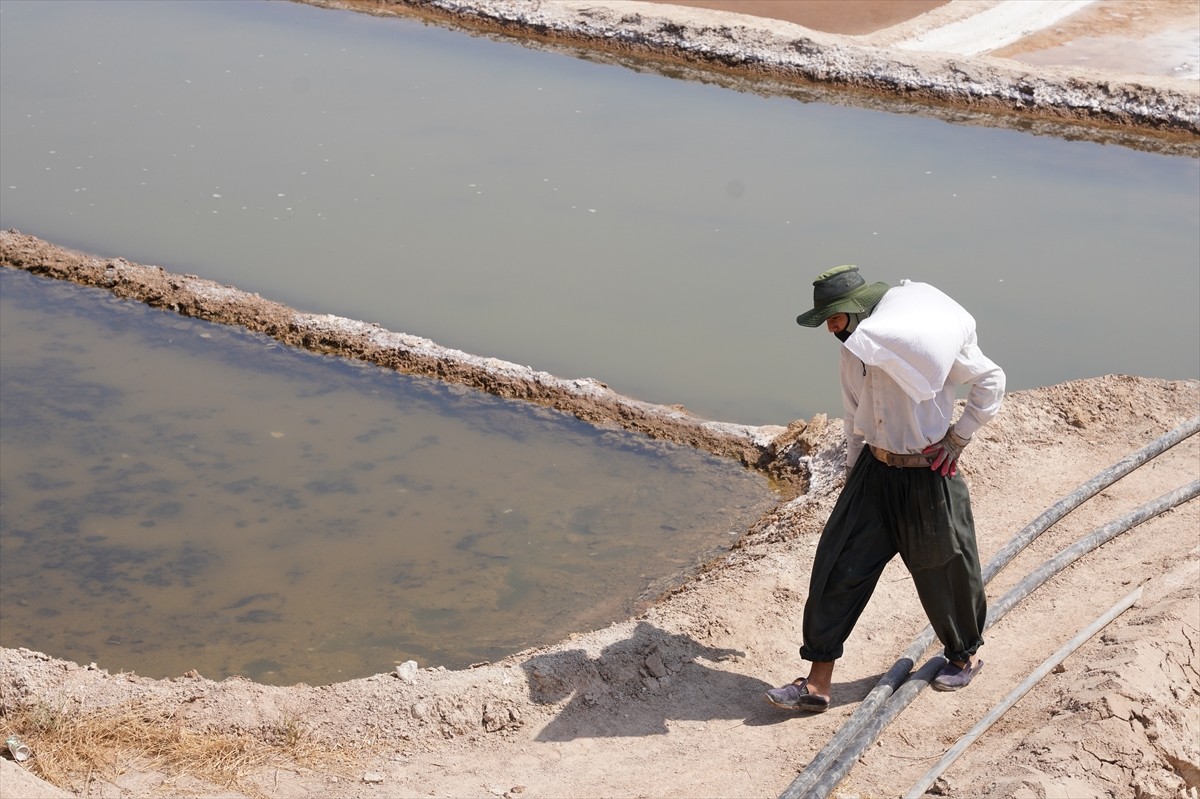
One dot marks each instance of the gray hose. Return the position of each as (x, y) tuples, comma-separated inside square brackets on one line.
[(907, 692), (901, 668), (960, 746), (885, 688)]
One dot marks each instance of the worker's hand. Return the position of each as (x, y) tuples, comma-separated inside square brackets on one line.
[(945, 453)]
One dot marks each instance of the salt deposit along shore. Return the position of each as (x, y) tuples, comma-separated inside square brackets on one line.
[(959, 59)]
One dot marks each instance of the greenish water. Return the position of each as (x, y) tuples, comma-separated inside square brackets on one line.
[(179, 495), (576, 216)]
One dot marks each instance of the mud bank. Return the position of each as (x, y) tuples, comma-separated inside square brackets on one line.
[(777, 451), (1112, 106)]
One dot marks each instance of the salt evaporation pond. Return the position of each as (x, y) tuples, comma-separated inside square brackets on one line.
[(584, 216), (179, 495)]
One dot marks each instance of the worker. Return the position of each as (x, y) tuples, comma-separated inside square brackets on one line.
[(905, 351)]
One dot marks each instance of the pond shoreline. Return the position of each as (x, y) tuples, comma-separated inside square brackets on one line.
[(774, 450), (1137, 110)]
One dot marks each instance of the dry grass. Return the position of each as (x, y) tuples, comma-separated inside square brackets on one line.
[(74, 749)]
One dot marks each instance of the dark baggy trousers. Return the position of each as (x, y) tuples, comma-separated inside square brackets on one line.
[(882, 511)]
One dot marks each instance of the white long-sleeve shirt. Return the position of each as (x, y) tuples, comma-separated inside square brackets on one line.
[(880, 413)]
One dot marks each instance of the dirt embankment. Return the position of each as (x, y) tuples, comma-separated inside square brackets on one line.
[(771, 449), (1134, 109)]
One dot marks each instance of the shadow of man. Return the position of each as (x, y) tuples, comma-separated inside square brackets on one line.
[(636, 684)]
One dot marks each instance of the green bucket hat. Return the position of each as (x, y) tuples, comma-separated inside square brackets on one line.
[(841, 290)]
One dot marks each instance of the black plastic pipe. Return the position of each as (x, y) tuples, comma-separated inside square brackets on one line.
[(1085, 492)]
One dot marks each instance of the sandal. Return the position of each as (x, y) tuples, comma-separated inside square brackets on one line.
[(795, 696), (952, 677)]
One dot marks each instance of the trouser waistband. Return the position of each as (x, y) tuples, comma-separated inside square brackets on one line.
[(900, 461)]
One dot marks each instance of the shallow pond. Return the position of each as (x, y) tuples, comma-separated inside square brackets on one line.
[(572, 214), (179, 495)]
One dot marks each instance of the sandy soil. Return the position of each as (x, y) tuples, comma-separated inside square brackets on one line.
[(670, 703)]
